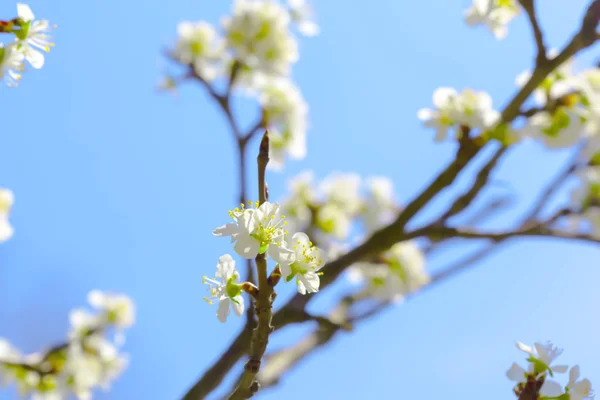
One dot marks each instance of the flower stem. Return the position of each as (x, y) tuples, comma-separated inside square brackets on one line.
[(264, 303)]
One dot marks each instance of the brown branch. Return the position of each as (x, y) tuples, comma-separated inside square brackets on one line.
[(213, 377), (479, 183), (529, 6), (260, 335), (541, 230), (556, 184), (282, 361)]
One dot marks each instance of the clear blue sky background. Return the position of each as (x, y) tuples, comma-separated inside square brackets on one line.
[(118, 188)]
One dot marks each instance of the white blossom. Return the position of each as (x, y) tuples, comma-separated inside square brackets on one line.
[(560, 129), (379, 208), (7, 199), (83, 323), (342, 190), (32, 35), (11, 64), (303, 15), (306, 263), (578, 389), (286, 115), (258, 35), (517, 374), (257, 230), (452, 110), (226, 290), (118, 309), (542, 356), (400, 271), (301, 201), (496, 14), (558, 83), (8, 354), (199, 45)]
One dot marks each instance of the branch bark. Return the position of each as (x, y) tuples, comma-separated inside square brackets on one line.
[(247, 385)]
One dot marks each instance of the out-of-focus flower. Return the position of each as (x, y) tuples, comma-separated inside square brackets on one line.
[(11, 64), (286, 116), (258, 36), (400, 271), (199, 46), (453, 110), (496, 14), (7, 199), (303, 15)]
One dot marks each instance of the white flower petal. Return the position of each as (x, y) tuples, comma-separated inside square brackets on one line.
[(238, 305), (24, 12), (247, 247), (226, 230), (573, 374), (223, 309), (551, 389), (280, 254), (225, 267), (516, 373), (310, 281)]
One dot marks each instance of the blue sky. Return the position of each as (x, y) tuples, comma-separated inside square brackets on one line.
[(118, 187)]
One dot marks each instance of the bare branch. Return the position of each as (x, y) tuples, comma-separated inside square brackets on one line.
[(529, 6)]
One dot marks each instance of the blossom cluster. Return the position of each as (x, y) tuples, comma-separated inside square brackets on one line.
[(261, 229), (255, 50), (343, 204), (89, 359), (335, 203), (538, 377), (563, 112), (31, 36)]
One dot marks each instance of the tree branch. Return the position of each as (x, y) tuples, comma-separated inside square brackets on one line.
[(260, 336), (529, 6), (381, 240)]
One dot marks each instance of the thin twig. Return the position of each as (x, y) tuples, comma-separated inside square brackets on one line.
[(529, 6), (260, 336)]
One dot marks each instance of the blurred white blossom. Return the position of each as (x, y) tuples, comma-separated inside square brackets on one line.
[(398, 272), (303, 15), (199, 46), (379, 207), (454, 110), (286, 116), (559, 129), (556, 84), (6, 201), (11, 64), (88, 360), (496, 14), (259, 37)]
